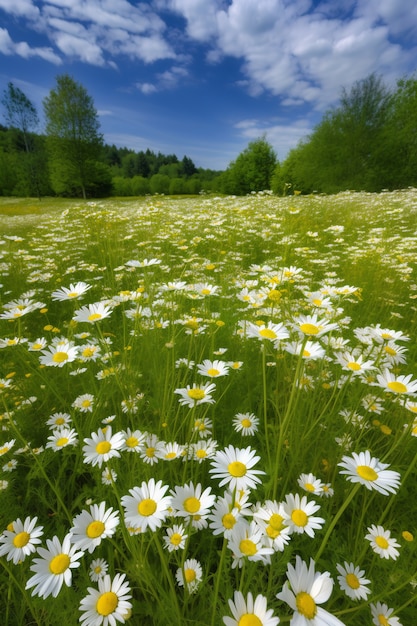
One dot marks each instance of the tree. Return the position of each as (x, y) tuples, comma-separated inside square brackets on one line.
[(252, 170), (73, 137), (21, 114)]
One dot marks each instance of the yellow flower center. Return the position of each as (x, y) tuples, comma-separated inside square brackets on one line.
[(309, 329), (299, 517), (267, 333), (59, 421), (59, 564), (309, 487), (228, 520), (248, 547), (192, 505), (383, 620), (85, 404), (190, 575), (196, 394), (103, 447), (274, 295), (352, 365), (366, 472), (175, 539), (88, 352), (107, 603), (94, 317), (62, 441), (396, 386), (236, 469), (353, 581), (4, 449), (381, 542), (150, 452), (170, 455), (72, 294), (306, 354), (275, 521), (95, 529), (305, 605), (60, 357), (21, 539), (390, 351), (213, 372), (246, 423), (132, 442), (147, 507), (249, 619), (201, 454)]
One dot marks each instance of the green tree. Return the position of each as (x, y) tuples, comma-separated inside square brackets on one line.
[(252, 170), (73, 138)]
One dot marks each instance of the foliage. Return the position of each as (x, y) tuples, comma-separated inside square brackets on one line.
[(252, 170)]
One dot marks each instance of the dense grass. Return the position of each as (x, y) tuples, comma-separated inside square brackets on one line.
[(225, 279)]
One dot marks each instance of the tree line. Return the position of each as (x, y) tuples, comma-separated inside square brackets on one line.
[(367, 142)]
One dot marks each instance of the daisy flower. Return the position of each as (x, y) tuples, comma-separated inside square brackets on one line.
[(84, 403), (5, 447), (382, 543), (223, 517), (381, 614), (245, 423), (352, 581), (313, 326), (271, 518), (188, 501), (108, 476), (62, 437), (98, 569), (190, 574), (70, 293), (202, 450), (309, 350), (172, 450), (147, 505), (397, 384), (213, 369), (246, 541), (58, 355), (175, 538), (9, 466), (195, 395), (234, 467), (39, 344), (354, 363), (92, 313), (102, 446), (299, 513), (369, 471), (152, 449), (56, 420), (272, 332), (203, 427), (20, 539), (386, 334), (133, 440), (304, 590), (108, 604), (310, 483), (90, 527), (54, 568), (250, 611)]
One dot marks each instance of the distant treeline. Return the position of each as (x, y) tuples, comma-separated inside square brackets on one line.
[(366, 143)]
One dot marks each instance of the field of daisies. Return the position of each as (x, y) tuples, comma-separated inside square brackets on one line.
[(209, 411)]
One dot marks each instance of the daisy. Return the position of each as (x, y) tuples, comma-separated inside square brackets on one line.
[(250, 612), (369, 471), (352, 581), (313, 326), (90, 527), (309, 350), (62, 437), (9, 466), (108, 604), (70, 293), (393, 354), (213, 369), (202, 450), (102, 446), (92, 313), (246, 541), (271, 517), (223, 517), (354, 363), (175, 538), (203, 427), (37, 345), (5, 447), (84, 403), (58, 355), (310, 483), (152, 449), (98, 569), (188, 501), (382, 615), (299, 513), (382, 543), (397, 384), (386, 334), (272, 332), (133, 440), (234, 467), (197, 394), (147, 505), (108, 476), (172, 450), (20, 539), (89, 352), (144, 263), (191, 574), (303, 591), (56, 420), (54, 568), (245, 423)]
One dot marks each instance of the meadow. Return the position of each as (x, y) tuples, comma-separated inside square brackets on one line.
[(209, 410)]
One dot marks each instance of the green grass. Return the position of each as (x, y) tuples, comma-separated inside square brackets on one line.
[(239, 264)]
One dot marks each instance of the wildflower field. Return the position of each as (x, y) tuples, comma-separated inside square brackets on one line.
[(209, 411)]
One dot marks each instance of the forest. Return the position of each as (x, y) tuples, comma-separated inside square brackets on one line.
[(367, 142)]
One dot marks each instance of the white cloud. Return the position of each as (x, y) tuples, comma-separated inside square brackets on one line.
[(24, 8), (164, 80), (282, 136), (22, 49)]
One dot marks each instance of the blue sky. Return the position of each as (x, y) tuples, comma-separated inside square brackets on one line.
[(202, 78)]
